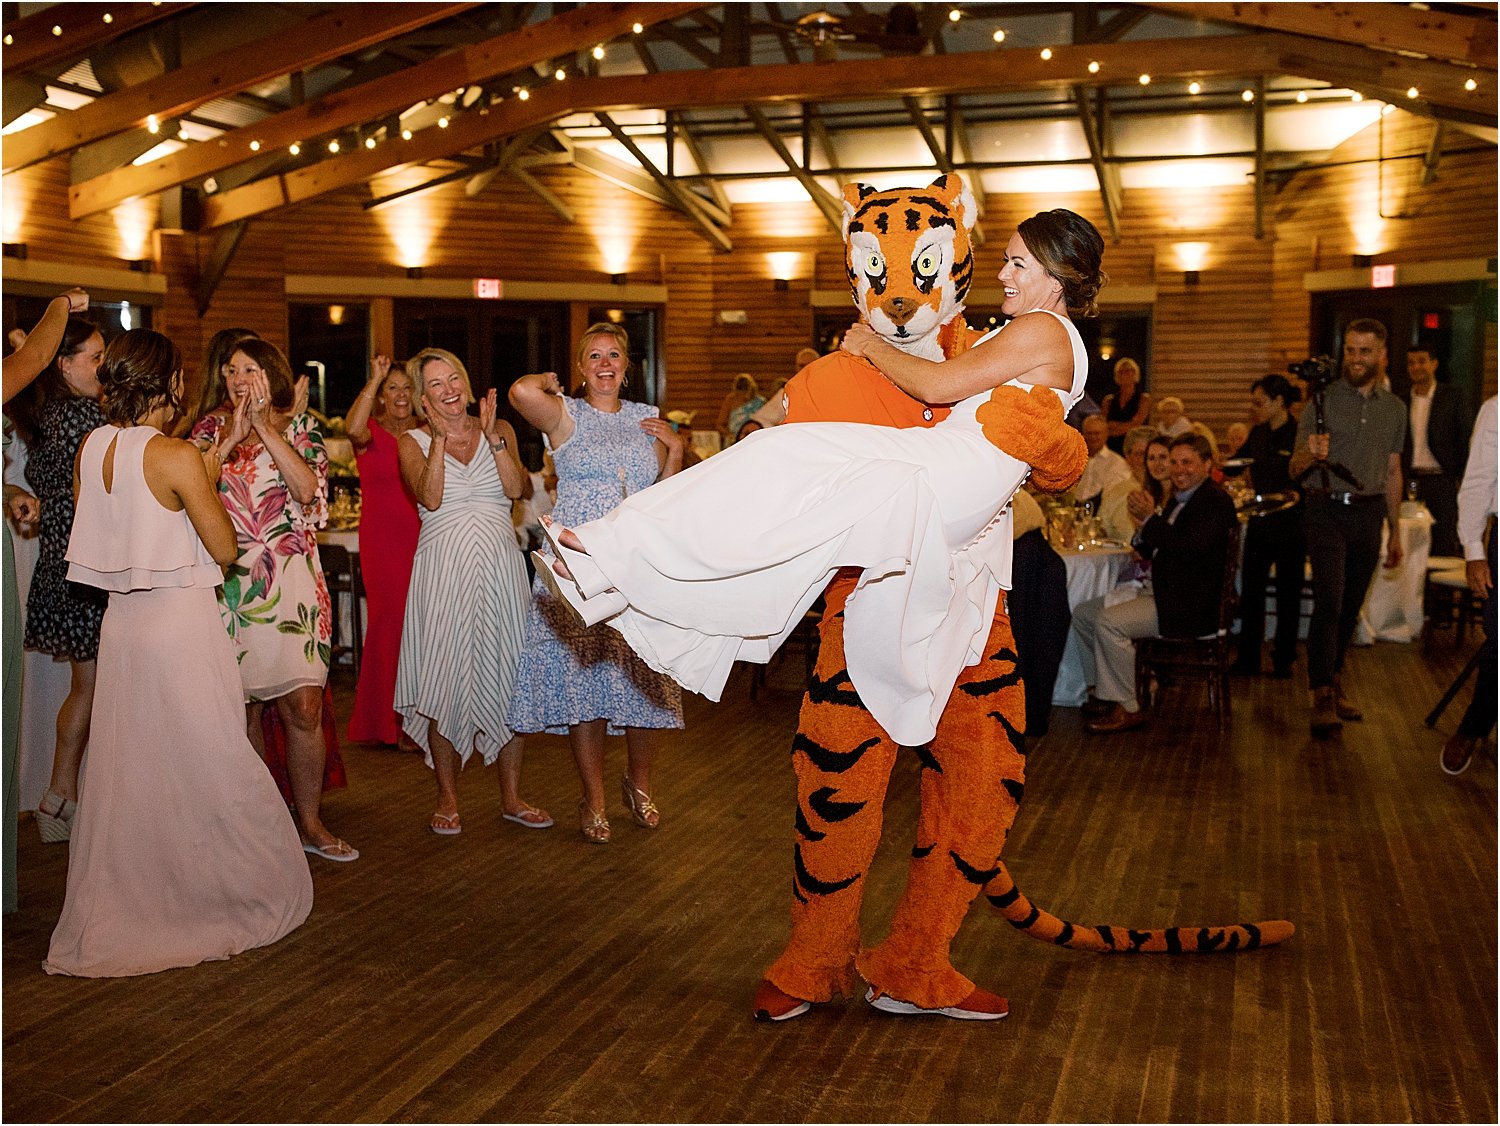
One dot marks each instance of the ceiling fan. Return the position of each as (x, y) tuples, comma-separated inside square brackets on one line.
[(897, 32)]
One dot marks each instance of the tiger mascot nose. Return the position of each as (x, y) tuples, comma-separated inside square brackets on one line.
[(900, 309)]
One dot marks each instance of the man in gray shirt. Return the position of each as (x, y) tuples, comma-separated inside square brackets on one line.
[(1366, 429)]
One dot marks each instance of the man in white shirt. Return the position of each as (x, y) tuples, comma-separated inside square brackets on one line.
[(1476, 532), (1437, 443), (1105, 467)]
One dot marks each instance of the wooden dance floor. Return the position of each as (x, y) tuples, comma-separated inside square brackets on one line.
[(511, 975)]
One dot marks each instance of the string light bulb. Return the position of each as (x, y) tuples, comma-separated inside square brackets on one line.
[(637, 28), (369, 142), (108, 18), (523, 93), (333, 146), (1195, 88), (442, 123), (1247, 96), (559, 74), (1470, 85), (999, 36), (406, 134), (296, 149), (1144, 80), (1301, 97), (56, 30), (1046, 54), (598, 52), (1356, 97), (954, 15), (9, 39), (1093, 67), (152, 125), (255, 146), (1412, 92)]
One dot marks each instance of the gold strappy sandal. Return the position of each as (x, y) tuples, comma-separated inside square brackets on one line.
[(642, 809), (593, 824)]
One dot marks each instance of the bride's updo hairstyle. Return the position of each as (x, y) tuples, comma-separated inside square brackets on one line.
[(136, 376), (1070, 249)]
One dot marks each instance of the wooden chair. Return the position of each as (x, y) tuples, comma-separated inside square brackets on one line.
[(341, 573), (1169, 657), (1448, 603)]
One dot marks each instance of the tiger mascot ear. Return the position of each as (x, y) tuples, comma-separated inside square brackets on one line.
[(909, 260)]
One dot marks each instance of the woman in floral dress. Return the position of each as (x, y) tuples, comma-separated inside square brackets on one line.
[(274, 601)]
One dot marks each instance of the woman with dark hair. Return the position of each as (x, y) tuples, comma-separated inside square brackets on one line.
[(54, 416), (388, 528), (182, 849), (579, 681), (1275, 539), (274, 601), (212, 391), (919, 510)]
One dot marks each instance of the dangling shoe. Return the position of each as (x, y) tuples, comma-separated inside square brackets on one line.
[(978, 1005), (590, 580), (54, 817), (589, 611), (642, 809)]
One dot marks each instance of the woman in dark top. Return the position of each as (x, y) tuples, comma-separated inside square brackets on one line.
[(1128, 407), (55, 415), (1275, 539)]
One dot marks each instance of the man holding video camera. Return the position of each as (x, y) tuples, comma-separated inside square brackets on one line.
[(1349, 461)]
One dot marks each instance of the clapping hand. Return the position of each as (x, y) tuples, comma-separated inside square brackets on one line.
[(239, 424), (439, 431), (258, 399), (487, 419), (1317, 445), (858, 339), (1140, 506)]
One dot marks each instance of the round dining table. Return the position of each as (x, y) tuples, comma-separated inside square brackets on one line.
[(1093, 572)]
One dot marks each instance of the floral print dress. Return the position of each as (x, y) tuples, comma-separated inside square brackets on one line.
[(274, 602)]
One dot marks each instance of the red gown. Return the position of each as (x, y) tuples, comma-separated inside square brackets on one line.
[(388, 527)]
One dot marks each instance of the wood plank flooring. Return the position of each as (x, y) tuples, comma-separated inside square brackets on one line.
[(512, 975)]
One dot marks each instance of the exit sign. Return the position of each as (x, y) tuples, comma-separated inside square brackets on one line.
[(487, 287), (1382, 277)]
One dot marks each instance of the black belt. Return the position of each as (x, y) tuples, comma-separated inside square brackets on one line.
[(1351, 499), (1415, 472)]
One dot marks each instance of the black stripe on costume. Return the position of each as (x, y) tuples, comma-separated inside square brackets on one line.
[(1017, 738), (1005, 899), (814, 885), (928, 761), (821, 802), (1174, 941), (1107, 934), (972, 874), (1032, 916), (1014, 788), (994, 684), (1064, 936), (806, 831), (1254, 935), (918, 852), (831, 762), (838, 689), (1138, 938)]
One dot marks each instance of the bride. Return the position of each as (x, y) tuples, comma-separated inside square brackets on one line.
[(924, 513)]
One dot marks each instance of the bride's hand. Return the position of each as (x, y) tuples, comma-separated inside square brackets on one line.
[(859, 338)]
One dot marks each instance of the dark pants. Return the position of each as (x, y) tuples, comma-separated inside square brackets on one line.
[(1272, 540), (1439, 493), (1479, 720), (1343, 545)]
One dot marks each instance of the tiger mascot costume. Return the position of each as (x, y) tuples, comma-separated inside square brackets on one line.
[(910, 264)]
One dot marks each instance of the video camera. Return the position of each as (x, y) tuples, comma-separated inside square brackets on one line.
[(1316, 371)]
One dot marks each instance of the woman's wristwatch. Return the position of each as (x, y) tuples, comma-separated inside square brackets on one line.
[(500, 445)]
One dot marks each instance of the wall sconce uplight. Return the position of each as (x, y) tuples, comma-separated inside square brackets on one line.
[(782, 285), (414, 272), (1363, 261), (619, 279), (15, 250), (1192, 277)]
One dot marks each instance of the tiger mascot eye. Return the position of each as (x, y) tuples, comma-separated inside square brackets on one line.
[(910, 263)]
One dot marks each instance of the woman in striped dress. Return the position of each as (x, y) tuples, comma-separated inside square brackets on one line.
[(466, 607)]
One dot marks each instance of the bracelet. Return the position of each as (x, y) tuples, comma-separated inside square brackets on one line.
[(500, 445)]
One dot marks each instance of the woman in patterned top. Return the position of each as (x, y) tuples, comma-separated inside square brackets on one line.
[(58, 412), (274, 601)]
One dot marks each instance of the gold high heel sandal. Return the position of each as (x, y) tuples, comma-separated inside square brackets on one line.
[(593, 824), (642, 809)]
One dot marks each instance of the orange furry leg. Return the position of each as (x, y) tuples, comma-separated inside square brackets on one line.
[(843, 763), (972, 778)]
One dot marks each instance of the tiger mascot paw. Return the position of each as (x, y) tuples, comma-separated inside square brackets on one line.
[(1030, 427)]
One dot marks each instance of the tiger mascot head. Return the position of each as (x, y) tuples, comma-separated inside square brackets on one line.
[(909, 262)]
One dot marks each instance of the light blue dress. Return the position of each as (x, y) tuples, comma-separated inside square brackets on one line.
[(569, 674)]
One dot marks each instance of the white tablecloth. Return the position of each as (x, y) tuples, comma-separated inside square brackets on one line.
[(1393, 608), (1092, 573)]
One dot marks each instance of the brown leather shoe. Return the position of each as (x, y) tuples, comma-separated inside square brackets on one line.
[(1094, 707), (1116, 719), (1458, 751), (772, 1004), (1345, 707), (1325, 717)]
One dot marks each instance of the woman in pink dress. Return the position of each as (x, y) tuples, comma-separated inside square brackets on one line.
[(182, 850), (388, 527)]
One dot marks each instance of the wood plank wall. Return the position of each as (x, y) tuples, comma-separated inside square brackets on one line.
[(1247, 316)]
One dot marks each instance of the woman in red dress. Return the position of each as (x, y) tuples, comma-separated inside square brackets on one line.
[(388, 527)]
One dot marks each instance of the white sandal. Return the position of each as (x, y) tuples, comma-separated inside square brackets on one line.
[(55, 824), (587, 575), (589, 611)]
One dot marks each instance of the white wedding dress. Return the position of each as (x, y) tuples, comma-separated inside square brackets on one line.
[(719, 563)]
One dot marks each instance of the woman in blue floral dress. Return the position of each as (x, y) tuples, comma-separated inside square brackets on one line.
[(587, 682), (274, 602)]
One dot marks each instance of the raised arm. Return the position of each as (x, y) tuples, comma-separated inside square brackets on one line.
[(539, 398), (1034, 348), (357, 421), (32, 358)]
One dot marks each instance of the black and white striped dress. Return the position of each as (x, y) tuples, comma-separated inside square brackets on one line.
[(465, 618)]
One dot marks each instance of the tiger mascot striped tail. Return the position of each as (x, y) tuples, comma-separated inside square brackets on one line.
[(1043, 926)]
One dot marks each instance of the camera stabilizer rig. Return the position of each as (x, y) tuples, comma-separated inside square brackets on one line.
[(1318, 372)]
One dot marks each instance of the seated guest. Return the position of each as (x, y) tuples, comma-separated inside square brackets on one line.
[(772, 411), (1202, 429), (1169, 419), (1105, 467), (1187, 543), (1234, 440), (1114, 518), (743, 400), (1127, 407)]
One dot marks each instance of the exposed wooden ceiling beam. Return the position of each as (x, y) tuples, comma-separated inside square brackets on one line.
[(1202, 57), (1109, 180), (1391, 27), (543, 193), (683, 198), (621, 175), (30, 44), (832, 209), (678, 127), (514, 50), (307, 43)]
